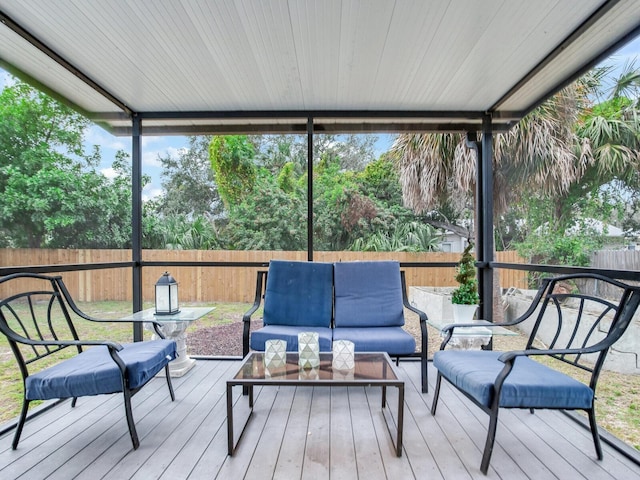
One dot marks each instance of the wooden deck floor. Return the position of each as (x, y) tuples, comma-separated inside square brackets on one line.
[(312, 433)]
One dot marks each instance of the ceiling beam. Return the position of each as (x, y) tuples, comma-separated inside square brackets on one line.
[(571, 38), (319, 128), (60, 60)]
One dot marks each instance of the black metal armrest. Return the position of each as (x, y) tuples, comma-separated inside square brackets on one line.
[(261, 280), (424, 333), (420, 313), (69, 299), (247, 315), (509, 357), (68, 343)]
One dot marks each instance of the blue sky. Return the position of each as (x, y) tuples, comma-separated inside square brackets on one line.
[(153, 147)]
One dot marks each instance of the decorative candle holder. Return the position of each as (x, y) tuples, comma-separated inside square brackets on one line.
[(343, 351), (308, 349), (275, 369), (344, 375), (309, 374), (275, 353)]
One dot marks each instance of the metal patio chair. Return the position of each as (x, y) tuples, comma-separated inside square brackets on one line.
[(38, 325), (579, 330)]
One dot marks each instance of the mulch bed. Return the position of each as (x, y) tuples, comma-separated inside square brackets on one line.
[(223, 340)]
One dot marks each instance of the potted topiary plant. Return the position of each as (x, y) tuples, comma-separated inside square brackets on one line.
[(465, 298)]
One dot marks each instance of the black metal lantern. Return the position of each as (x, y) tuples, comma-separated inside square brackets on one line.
[(167, 295)]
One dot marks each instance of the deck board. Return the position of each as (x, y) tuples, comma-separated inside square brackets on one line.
[(299, 432)]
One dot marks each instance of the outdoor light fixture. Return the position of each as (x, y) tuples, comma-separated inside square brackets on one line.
[(166, 295)]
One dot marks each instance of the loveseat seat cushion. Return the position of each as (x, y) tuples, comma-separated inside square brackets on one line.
[(529, 385), (393, 340), (93, 372), (290, 334), (368, 294), (299, 294)]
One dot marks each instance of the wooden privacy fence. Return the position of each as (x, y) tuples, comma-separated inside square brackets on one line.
[(224, 283)]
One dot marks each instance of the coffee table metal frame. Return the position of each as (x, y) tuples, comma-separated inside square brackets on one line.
[(373, 369)]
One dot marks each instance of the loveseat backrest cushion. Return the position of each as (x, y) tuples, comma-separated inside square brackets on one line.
[(368, 294), (299, 294)]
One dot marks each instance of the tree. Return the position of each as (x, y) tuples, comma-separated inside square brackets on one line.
[(543, 156), (380, 180), (101, 219), (565, 150), (356, 202), (538, 154), (353, 152), (405, 237), (52, 194), (467, 291), (188, 181), (232, 159), (273, 152), (272, 220)]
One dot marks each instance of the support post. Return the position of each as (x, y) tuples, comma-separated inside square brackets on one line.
[(485, 250), (310, 188), (136, 222)]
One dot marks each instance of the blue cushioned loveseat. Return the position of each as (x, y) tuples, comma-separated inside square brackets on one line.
[(358, 301)]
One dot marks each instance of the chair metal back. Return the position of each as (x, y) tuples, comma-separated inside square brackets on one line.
[(571, 319), (34, 310)]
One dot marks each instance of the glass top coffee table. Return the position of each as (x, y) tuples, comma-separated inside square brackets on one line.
[(371, 369)]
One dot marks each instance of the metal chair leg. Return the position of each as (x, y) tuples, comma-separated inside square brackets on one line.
[(436, 394), (166, 371), (594, 432), (130, 422), (23, 418), (491, 437), (423, 367)]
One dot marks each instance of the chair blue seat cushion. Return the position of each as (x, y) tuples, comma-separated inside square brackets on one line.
[(299, 294), (529, 385), (93, 372), (393, 340), (290, 334), (368, 294)]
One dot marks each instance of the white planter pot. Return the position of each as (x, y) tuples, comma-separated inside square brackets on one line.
[(463, 313)]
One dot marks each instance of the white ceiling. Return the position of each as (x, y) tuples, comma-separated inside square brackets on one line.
[(189, 66)]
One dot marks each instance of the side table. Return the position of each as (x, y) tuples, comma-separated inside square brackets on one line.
[(467, 338), (174, 327)]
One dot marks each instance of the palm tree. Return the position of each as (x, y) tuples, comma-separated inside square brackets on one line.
[(540, 151), (546, 152)]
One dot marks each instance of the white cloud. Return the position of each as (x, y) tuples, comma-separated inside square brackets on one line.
[(5, 79), (150, 158), (150, 192), (156, 140), (95, 135), (110, 173)]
